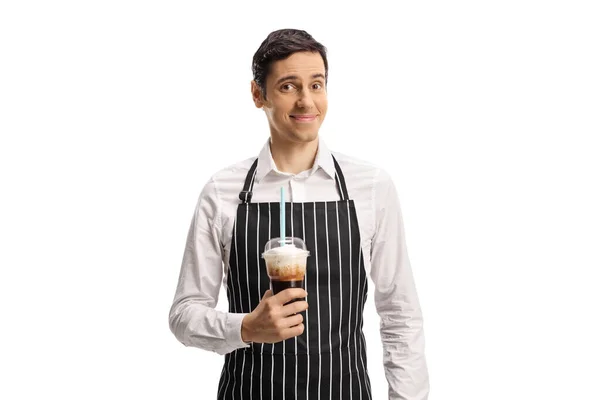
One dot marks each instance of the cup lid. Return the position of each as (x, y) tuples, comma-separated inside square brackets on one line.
[(288, 241)]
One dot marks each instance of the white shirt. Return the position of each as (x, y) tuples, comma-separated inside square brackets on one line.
[(193, 318)]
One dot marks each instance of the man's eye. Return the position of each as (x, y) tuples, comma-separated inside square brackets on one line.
[(287, 87), (317, 86)]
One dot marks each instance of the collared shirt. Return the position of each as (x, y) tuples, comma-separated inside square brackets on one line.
[(193, 318)]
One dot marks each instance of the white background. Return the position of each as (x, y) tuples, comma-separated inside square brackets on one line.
[(114, 114)]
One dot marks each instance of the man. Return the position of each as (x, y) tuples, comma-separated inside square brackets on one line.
[(347, 213)]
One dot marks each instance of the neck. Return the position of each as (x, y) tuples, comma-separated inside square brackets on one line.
[(293, 157)]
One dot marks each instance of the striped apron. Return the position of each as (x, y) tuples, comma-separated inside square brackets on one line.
[(328, 361)]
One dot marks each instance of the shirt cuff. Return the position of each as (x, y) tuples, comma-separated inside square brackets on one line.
[(233, 334)]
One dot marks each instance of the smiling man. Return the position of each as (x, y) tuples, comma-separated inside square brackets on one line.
[(346, 211)]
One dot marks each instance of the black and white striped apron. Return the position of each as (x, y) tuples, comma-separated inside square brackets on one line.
[(328, 361)]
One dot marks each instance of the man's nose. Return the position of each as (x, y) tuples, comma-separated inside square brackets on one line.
[(305, 100)]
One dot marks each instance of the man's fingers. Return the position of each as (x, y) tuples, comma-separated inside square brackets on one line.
[(290, 321), (290, 294), (292, 332), (293, 308)]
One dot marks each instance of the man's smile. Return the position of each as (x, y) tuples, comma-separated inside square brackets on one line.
[(303, 117)]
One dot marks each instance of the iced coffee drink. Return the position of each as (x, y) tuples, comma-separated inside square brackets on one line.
[(286, 263)]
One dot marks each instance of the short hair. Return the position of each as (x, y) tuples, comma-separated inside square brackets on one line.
[(279, 45)]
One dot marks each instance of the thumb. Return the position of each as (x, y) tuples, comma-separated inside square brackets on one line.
[(267, 294)]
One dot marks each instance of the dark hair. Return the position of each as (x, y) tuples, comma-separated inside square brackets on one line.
[(279, 45)]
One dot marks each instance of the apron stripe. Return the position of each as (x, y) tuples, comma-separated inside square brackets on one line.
[(323, 285), (358, 372), (285, 357), (235, 353), (272, 346), (265, 348), (295, 338), (251, 271), (302, 360), (351, 386), (235, 376), (318, 272), (312, 332), (306, 318), (328, 237), (278, 361), (259, 297), (247, 307), (334, 299), (341, 294)]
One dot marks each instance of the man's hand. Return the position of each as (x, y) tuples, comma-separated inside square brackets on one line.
[(273, 320)]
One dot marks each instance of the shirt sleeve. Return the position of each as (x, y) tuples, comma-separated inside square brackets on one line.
[(192, 317), (396, 299)]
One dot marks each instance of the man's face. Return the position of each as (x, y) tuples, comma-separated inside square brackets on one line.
[(296, 101)]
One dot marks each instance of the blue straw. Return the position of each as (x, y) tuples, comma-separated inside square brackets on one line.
[(282, 216)]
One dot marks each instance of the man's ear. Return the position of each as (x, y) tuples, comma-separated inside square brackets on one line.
[(257, 96)]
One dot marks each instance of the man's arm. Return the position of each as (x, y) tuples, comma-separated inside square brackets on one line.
[(193, 318), (396, 299)]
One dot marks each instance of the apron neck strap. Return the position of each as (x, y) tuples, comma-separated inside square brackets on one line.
[(246, 194), (340, 180)]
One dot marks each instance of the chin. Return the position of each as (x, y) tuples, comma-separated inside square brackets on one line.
[(304, 136)]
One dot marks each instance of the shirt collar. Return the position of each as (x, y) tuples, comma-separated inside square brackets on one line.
[(323, 160)]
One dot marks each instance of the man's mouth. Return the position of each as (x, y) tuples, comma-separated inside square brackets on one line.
[(303, 117)]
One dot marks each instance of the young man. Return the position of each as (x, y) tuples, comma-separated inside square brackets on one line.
[(347, 213)]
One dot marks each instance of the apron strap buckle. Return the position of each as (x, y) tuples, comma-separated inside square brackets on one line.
[(245, 196)]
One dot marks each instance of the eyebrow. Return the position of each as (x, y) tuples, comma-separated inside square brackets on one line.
[(295, 78)]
